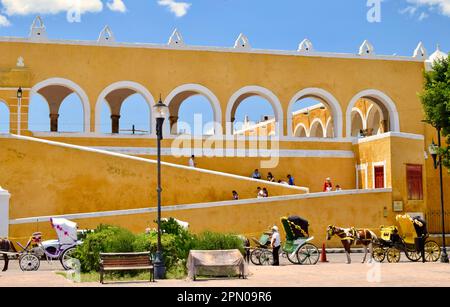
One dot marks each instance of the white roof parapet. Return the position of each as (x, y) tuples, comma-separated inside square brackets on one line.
[(38, 30), (106, 36), (366, 49), (176, 39), (305, 46), (242, 42), (420, 52)]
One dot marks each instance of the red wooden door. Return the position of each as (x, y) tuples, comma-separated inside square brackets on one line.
[(379, 177)]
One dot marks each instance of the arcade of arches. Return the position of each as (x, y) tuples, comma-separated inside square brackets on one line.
[(364, 133)]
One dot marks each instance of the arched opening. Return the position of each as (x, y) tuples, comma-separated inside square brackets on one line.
[(357, 124), (316, 130), (307, 111), (38, 114), (262, 119), (301, 131), (70, 115), (195, 117), (124, 108), (311, 104), (378, 111), (254, 116), (4, 118), (194, 110), (58, 105)]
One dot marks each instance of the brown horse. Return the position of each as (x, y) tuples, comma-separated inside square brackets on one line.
[(8, 247), (353, 236)]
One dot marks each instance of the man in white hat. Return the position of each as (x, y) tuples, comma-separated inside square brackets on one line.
[(276, 244)]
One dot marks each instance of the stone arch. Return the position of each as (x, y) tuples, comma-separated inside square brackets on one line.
[(382, 100), (183, 92), (250, 91), (328, 99), (357, 122), (301, 131), (317, 129), (58, 89), (123, 90)]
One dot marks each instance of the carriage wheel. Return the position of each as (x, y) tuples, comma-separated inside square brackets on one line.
[(29, 263), (266, 258), (67, 259), (254, 256), (379, 254), (432, 251), (393, 255), (412, 254), (308, 254)]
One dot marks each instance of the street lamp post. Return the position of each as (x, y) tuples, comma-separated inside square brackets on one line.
[(160, 110), (19, 105), (437, 159)]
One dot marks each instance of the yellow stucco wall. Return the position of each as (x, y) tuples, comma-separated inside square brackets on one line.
[(360, 210), (46, 179), (93, 68)]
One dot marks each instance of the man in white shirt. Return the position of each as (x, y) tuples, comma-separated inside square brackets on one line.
[(276, 244)]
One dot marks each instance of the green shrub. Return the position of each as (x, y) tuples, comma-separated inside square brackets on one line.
[(218, 241)]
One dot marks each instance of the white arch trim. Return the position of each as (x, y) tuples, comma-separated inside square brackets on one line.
[(138, 88), (382, 98), (317, 121), (76, 89), (256, 91), (329, 99), (201, 90), (304, 128)]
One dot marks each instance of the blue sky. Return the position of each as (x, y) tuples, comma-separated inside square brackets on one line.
[(334, 26)]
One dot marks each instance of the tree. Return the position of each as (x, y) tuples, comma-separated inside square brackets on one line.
[(436, 102)]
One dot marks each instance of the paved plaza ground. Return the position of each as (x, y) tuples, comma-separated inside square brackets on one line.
[(334, 273)]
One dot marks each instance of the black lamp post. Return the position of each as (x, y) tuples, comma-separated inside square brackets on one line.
[(437, 159), (19, 105), (160, 110)]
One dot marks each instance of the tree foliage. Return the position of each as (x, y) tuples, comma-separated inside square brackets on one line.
[(436, 102)]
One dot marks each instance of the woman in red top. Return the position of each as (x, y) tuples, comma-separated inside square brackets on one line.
[(328, 186)]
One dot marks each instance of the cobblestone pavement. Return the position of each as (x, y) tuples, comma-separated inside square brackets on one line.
[(334, 273)]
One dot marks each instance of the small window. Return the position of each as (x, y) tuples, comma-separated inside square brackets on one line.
[(414, 182)]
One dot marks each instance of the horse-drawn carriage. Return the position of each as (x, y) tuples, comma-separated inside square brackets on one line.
[(405, 239), (297, 247), (36, 249)]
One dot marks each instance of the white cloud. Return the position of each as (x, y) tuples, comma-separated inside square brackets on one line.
[(410, 10), (27, 7), (442, 5), (4, 22), (117, 6), (423, 16), (178, 8)]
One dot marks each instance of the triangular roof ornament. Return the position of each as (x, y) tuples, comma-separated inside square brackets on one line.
[(306, 46), (38, 30), (106, 36), (176, 39), (242, 42), (366, 49), (420, 52)]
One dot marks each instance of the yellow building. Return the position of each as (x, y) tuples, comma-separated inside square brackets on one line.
[(365, 132)]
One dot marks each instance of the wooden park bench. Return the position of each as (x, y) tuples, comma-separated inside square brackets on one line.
[(110, 262)]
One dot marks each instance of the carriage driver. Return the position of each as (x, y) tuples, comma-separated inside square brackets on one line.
[(276, 244), (421, 229)]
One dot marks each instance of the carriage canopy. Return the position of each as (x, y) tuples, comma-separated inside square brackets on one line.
[(65, 230), (295, 227), (409, 229)]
